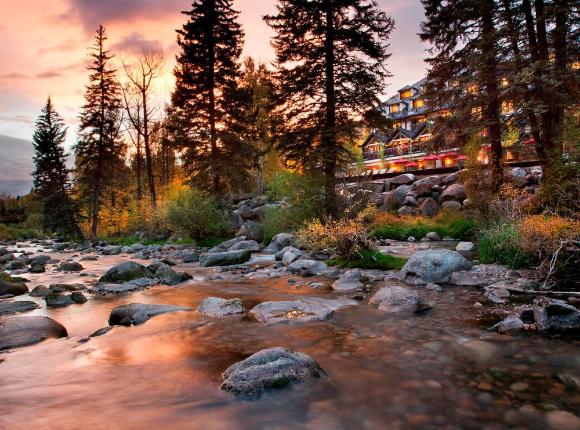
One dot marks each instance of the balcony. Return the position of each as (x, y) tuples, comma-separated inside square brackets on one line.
[(397, 151)]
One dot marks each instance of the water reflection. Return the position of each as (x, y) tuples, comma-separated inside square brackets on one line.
[(437, 370)]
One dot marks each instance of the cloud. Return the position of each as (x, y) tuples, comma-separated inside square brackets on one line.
[(14, 76), (69, 45), (135, 42), (92, 13), (49, 74), (23, 119)]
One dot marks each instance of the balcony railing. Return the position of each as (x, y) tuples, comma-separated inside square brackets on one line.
[(396, 151)]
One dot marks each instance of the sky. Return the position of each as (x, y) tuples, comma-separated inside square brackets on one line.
[(45, 44)]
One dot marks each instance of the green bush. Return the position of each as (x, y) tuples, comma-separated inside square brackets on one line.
[(445, 224), (195, 214), (16, 231), (370, 259), (304, 198), (501, 243)]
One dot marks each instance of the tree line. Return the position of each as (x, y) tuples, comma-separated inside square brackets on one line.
[(228, 118)]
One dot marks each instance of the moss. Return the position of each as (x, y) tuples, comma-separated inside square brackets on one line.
[(457, 228), (370, 259)]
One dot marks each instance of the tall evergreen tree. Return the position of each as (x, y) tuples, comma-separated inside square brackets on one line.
[(465, 70), (99, 149), (331, 65), (205, 95), (60, 213)]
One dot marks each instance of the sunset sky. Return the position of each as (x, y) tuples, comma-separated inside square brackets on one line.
[(44, 50)]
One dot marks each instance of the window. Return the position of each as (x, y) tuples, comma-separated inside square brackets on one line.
[(507, 107), (406, 93), (394, 108), (419, 103)]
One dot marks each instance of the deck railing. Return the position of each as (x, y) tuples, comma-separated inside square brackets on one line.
[(396, 151)]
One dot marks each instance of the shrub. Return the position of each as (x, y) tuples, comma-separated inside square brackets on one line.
[(16, 231), (447, 223), (501, 243), (370, 259), (347, 238), (194, 214), (547, 239), (303, 194)]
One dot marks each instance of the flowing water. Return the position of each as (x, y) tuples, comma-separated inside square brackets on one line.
[(439, 370)]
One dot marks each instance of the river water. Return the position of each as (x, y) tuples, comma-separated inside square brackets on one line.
[(439, 370)]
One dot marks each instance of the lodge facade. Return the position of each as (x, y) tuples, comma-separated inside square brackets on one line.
[(405, 147)]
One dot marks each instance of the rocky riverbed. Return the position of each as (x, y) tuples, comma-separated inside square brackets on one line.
[(277, 341)]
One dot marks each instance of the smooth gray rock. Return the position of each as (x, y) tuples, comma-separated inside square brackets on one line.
[(37, 267), (58, 300), (41, 258), (433, 265), (10, 286), (307, 267), (429, 207), (16, 307), (432, 236), (424, 186), (111, 250), (555, 316), (70, 266), (466, 247), (78, 297), (291, 255), (227, 258), (251, 230), (62, 288), (454, 192), (279, 242), (107, 288), (124, 272), (168, 276), (452, 205), (16, 265), (189, 257), (27, 330), (248, 245), (509, 325), (220, 308), (40, 291), (397, 299), (306, 309), (349, 281), (138, 313), (270, 369), (224, 246)]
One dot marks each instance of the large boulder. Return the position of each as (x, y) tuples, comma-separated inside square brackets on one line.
[(111, 250), (251, 230), (269, 369), (455, 192), (16, 307), (424, 186), (248, 245), (429, 207), (70, 266), (227, 258), (556, 316), (55, 300), (397, 299), (404, 179), (220, 308), (168, 276), (452, 205), (25, 330), (433, 266), (349, 281), (279, 242), (124, 272), (39, 291), (392, 200), (225, 246), (291, 255), (305, 267), (306, 309), (9, 286), (138, 313)]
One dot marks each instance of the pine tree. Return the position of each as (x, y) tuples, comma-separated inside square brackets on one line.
[(206, 96), (60, 214), (331, 65), (99, 149), (465, 72), (258, 121)]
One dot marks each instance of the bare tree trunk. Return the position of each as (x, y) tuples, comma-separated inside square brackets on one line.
[(150, 177), (329, 133)]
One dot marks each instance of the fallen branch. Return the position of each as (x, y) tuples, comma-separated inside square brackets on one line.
[(544, 293)]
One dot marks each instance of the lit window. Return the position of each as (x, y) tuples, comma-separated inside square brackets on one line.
[(394, 108), (504, 82), (419, 103), (507, 107), (406, 94)]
